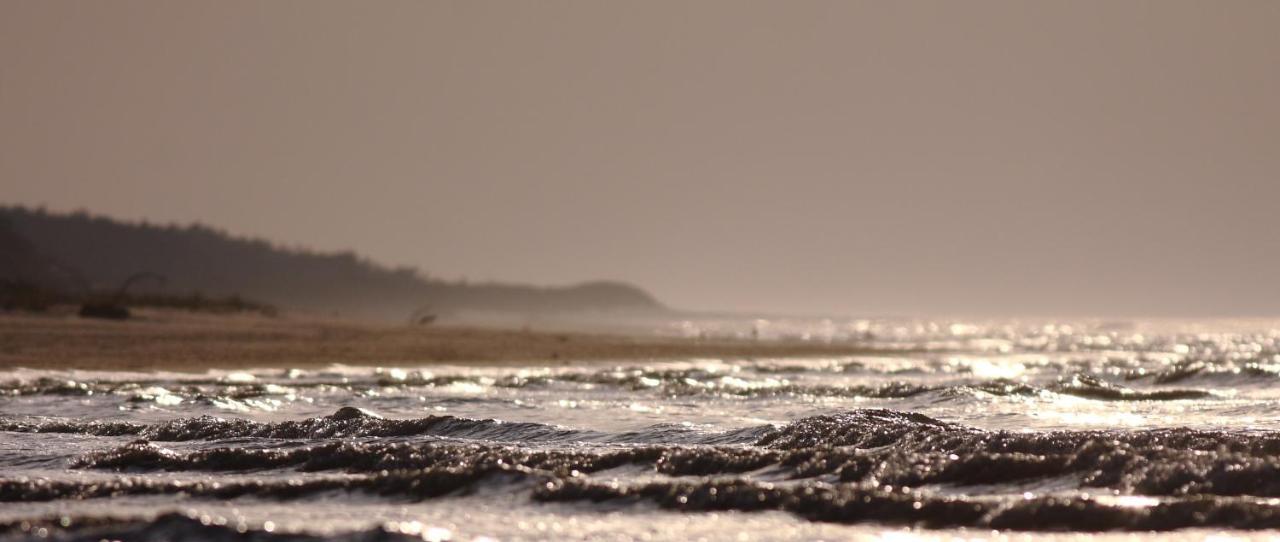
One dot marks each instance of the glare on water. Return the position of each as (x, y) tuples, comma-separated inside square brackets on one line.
[(1001, 378)]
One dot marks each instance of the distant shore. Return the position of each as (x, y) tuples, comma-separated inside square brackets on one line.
[(178, 341)]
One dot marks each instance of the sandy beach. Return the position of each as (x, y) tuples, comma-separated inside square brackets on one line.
[(178, 341)]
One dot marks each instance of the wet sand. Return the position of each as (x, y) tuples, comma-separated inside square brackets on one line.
[(177, 341)]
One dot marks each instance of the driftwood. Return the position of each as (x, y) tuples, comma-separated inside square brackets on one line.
[(114, 308), (423, 316)]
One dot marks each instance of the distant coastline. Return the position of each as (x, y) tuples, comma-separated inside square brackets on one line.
[(79, 251)]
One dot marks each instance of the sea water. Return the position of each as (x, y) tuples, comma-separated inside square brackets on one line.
[(950, 429)]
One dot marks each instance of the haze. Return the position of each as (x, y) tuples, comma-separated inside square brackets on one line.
[(1103, 158)]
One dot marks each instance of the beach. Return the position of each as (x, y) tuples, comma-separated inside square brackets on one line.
[(194, 342)]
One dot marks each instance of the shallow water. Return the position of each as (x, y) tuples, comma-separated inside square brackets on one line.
[(976, 430)]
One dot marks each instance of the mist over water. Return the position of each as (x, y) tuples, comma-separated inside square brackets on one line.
[(1004, 426)]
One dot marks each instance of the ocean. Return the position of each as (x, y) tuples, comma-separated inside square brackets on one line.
[(973, 430)]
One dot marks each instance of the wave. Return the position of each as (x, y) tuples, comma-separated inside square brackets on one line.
[(175, 526), (875, 465), (351, 422), (667, 382), (811, 499), (871, 447), (884, 447), (94, 428), (1081, 386), (365, 457), (1211, 372), (346, 422), (409, 484), (813, 502), (893, 506)]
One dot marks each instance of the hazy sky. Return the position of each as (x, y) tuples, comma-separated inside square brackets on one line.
[(870, 157)]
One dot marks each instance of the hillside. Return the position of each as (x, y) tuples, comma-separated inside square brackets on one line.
[(102, 252)]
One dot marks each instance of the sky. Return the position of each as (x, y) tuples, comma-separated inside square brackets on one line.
[(917, 158)]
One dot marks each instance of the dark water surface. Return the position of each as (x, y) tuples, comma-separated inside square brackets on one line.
[(1005, 430)]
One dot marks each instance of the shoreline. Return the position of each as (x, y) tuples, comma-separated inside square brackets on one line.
[(192, 342)]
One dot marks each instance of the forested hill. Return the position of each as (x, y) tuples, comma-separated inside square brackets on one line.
[(103, 252)]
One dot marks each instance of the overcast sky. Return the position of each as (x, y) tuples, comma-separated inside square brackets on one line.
[(1074, 157)]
